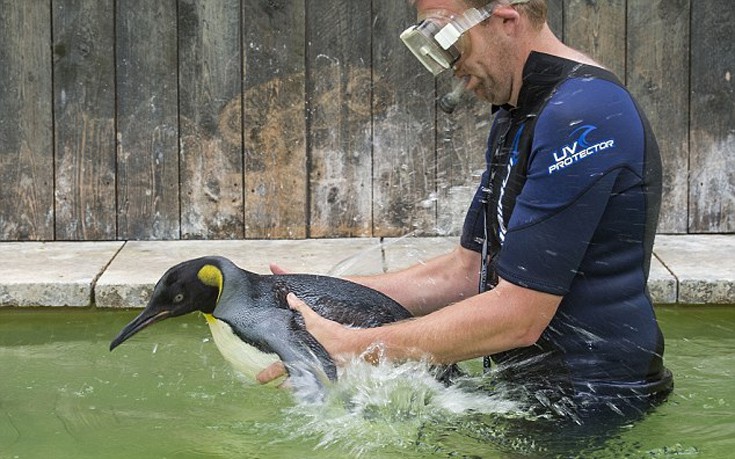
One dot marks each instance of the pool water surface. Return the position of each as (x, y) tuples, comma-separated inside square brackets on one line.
[(167, 393)]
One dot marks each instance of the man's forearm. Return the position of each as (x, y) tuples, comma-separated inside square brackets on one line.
[(507, 317), (426, 287)]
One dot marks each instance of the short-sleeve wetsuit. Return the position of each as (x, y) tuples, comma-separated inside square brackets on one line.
[(568, 205)]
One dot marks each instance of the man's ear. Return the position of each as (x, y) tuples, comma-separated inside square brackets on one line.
[(509, 17), (506, 13)]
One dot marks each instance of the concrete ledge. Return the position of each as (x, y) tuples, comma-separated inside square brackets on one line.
[(704, 266), (129, 280), (684, 270), (52, 274), (661, 283)]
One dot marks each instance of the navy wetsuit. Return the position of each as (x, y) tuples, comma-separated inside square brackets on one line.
[(569, 203)]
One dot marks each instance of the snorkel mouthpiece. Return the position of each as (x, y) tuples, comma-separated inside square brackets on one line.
[(449, 101)]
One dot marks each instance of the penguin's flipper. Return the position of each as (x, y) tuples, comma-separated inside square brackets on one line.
[(314, 347), (276, 331), (307, 373)]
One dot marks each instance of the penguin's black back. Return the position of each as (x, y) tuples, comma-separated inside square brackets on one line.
[(336, 299)]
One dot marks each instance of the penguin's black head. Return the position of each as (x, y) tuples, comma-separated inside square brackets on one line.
[(190, 286)]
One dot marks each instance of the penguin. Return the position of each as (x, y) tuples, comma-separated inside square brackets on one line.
[(251, 322)]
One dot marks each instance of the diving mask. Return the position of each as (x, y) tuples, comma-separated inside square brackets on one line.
[(434, 41)]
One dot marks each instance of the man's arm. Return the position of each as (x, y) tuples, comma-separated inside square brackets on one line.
[(421, 288), (426, 287), (507, 317)]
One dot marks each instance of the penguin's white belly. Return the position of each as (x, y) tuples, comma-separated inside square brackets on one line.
[(243, 357)]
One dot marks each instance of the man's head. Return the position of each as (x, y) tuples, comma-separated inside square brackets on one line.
[(484, 42)]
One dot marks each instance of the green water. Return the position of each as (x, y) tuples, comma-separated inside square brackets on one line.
[(167, 393)]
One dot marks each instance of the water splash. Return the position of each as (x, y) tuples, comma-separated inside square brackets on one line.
[(388, 406), (367, 261)]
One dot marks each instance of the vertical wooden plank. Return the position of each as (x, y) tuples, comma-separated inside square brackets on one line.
[(404, 153), (84, 125), (210, 75), (340, 135), (147, 120), (597, 28), (26, 146), (712, 175), (273, 118), (555, 17), (657, 63)]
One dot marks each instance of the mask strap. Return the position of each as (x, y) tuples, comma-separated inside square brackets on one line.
[(451, 32)]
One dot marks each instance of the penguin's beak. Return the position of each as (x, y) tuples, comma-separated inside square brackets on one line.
[(144, 319)]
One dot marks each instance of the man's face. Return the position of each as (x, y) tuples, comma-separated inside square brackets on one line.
[(485, 61)]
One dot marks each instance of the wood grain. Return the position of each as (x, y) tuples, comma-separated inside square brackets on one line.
[(84, 124), (210, 88), (404, 163), (556, 16), (273, 118), (339, 84), (290, 119), (712, 118), (657, 68), (147, 120), (26, 131), (597, 28), (461, 145)]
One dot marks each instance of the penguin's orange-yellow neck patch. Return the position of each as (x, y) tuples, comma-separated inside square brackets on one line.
[(212, 276), (209, 318)]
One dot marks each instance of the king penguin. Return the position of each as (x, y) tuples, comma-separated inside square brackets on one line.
[(251, 322)]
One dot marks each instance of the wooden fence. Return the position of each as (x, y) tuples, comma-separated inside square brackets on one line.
[(165, 119)]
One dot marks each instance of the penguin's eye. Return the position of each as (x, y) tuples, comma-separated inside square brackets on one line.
[(179, 298)]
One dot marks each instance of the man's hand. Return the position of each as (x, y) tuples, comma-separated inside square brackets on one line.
[(333, 336), (275, 269), (318, 326), (271, 373)]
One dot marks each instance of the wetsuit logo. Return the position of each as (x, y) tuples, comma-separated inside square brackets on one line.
[(579, 149)]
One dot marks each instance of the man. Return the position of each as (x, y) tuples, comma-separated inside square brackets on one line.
[(560, 231)]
